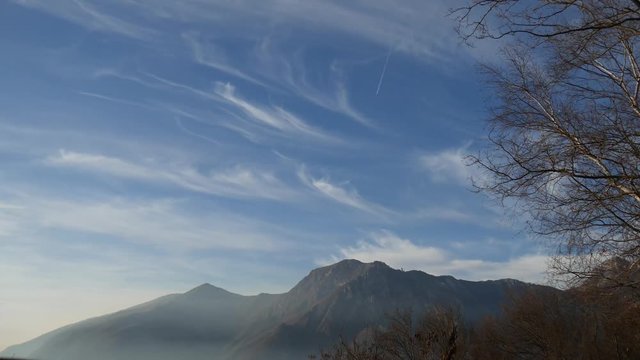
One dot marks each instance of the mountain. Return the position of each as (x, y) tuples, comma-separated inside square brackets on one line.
[(207, 322)]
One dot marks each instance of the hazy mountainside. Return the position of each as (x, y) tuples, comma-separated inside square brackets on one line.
[(207, 322)]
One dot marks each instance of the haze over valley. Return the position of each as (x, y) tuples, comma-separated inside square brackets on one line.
[(343, 300)]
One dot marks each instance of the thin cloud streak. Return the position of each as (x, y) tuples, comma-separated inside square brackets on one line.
[(115, 100), (217, 61), (383, 22), (185, 130), (88, 16), (384, 71), (342, 195), (270, 120), (158, 223), (236, 182), (273, 117), (289, 71), (282, 72), (114, 24), (156, 82)]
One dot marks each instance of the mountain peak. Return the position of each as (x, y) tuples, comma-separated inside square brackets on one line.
[(352, 264), (343, 271), (322, 281), (207, 290)]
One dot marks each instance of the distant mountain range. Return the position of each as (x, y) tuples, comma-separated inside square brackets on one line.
[(207, 322)]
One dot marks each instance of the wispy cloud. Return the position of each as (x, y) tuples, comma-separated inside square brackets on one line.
[(90, 16), (189, 132), (106, 22), (160, 81), (288, 70), (403, 253), (165, 224), (484, 216), (346, 194), (343, 105), (449, 165), (237, 182), (273, 117), (156, 82), (211, 56), (248, 118), (343, 195), (446, 214), (409, 26), (115, 100), (282, 71)]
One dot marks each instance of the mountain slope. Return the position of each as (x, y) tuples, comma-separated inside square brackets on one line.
[(207, 322), (361, 296)]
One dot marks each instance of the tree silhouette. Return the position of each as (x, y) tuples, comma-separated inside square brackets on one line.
[(564, 137)]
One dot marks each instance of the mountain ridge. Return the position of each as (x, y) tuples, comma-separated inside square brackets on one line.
[(343, 299)]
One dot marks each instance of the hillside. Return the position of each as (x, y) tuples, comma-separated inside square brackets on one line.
[(207, 322)]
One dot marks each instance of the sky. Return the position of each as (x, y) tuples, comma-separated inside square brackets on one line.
[(147, 147)]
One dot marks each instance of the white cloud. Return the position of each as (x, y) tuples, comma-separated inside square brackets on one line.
[(446, 214), (409, 26), (155, 82), (484, 216), (249, 119), (115, 100), (448, 165), (342, 104), (403, 253), (289, 71), (342, 195), (160, 223), (395, 251), (215, 58), (273, 117), (420, 28), (90, 16), (101, 20), (236, 182)]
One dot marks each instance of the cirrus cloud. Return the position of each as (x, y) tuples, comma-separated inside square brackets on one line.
[(235, 182)]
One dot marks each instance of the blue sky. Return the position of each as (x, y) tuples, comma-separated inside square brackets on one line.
[(148, 147)]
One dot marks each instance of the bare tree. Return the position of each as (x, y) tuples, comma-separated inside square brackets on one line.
[(438, 335), (560, 325), (564, 141), (543, 19)]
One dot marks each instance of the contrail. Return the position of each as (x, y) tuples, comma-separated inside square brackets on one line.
[(384, 70)]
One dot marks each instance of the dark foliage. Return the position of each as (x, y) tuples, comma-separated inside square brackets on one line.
[(439, 334), (581, 323)]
